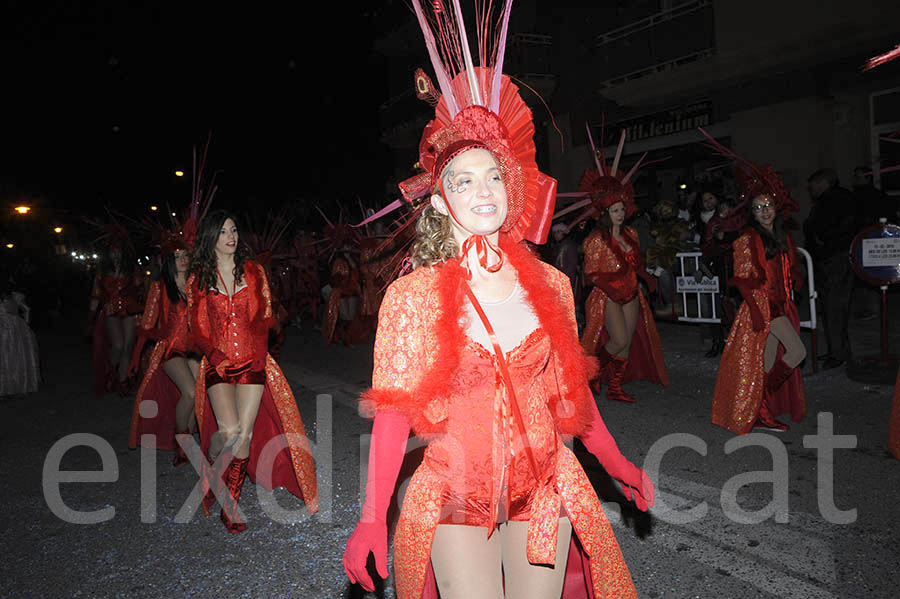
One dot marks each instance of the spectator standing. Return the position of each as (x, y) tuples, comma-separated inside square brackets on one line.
[(829, 231)]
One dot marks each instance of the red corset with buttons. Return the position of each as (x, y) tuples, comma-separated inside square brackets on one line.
[(235, 328), (118, 295)]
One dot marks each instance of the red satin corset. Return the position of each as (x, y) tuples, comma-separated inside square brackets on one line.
[(117, 295), (482, 446), (229, 324), (605, 260)]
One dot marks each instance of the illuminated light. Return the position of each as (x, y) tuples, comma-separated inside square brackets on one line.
[(682, 186), (10, 245), (173, 214), (57, 229), (148, 272), (179, 173), (154, 208), (23, 209), (74, 254), (95, 256)]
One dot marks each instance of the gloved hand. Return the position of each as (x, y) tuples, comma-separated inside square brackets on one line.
[(221, 366), (390, 432), (636, 485), (756, 317)]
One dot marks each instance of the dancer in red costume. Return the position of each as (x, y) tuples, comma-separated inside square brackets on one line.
[(115, 301), (477, 352), (620, 329), (619, 326), (758, 378), (251, 402), (172, 372)]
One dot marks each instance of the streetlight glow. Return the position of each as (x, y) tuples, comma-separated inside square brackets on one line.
[(179, 173), (10, 245), (23, 209), (57, 230), (154, 208)]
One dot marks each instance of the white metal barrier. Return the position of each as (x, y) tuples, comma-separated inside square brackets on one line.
[(688, 285)]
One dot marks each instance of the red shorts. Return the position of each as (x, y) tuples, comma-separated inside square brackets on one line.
[(235, 375)]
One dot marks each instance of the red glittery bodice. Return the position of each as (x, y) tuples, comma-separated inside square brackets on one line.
[(229, 323), (118, 295)]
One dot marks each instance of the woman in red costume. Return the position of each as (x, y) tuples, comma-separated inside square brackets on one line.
[(251, 402), (172, 372), (477, 352), (620, 329), (758, 378), (115, 301)]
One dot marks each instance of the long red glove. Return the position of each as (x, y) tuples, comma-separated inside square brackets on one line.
[(601, 444), (756, 317), (390, 432)]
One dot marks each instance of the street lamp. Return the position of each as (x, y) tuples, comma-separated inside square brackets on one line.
[(57, 230), (154, 208), (179, 173), (23, 209), (10, 246)]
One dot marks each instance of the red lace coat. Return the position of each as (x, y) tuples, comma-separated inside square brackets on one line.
[(167, 324), (428, 368), (739, 384)]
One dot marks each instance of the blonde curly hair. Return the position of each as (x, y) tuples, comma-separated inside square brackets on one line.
[(434, 242)]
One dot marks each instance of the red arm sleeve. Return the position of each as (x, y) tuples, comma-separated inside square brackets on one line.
[(199, 323)]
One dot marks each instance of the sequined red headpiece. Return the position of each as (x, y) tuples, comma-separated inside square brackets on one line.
[(753, 180), (479, 107)]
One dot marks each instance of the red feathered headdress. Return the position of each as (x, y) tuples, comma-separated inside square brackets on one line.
[(753, 180), (603, 186), (479, 107)]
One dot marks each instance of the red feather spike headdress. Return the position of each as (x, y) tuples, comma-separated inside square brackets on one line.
[(605, 185), (753, 180), (479, 107)]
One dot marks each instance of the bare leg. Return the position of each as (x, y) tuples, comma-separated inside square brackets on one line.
[(467, 564), (180, 373), (116, 342), (248, 399), (529, 581), (632, 311), (782, 331), (222, 399), (614, 321)]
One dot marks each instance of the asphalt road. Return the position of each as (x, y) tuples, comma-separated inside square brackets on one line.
[(701, 540)]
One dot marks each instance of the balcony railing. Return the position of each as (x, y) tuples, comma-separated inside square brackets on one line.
[(660, 42)]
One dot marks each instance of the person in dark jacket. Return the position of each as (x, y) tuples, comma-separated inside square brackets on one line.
[(873, 202), (829, 230)]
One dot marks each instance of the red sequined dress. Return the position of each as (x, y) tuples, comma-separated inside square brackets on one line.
[(474, 467), (614, 275), (117, 296), (166, 324), (237, 329), (766, 285)]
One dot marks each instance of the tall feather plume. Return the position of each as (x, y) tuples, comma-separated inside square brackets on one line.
[(441, 73), (499, 55)]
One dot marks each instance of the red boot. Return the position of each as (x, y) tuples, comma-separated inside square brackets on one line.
[(765, 418), (615, 391), (209, 479), (777, 376), (603, 358), (180, 457), (235, 475)]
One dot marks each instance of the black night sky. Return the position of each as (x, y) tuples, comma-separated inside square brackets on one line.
[(103, 101)]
